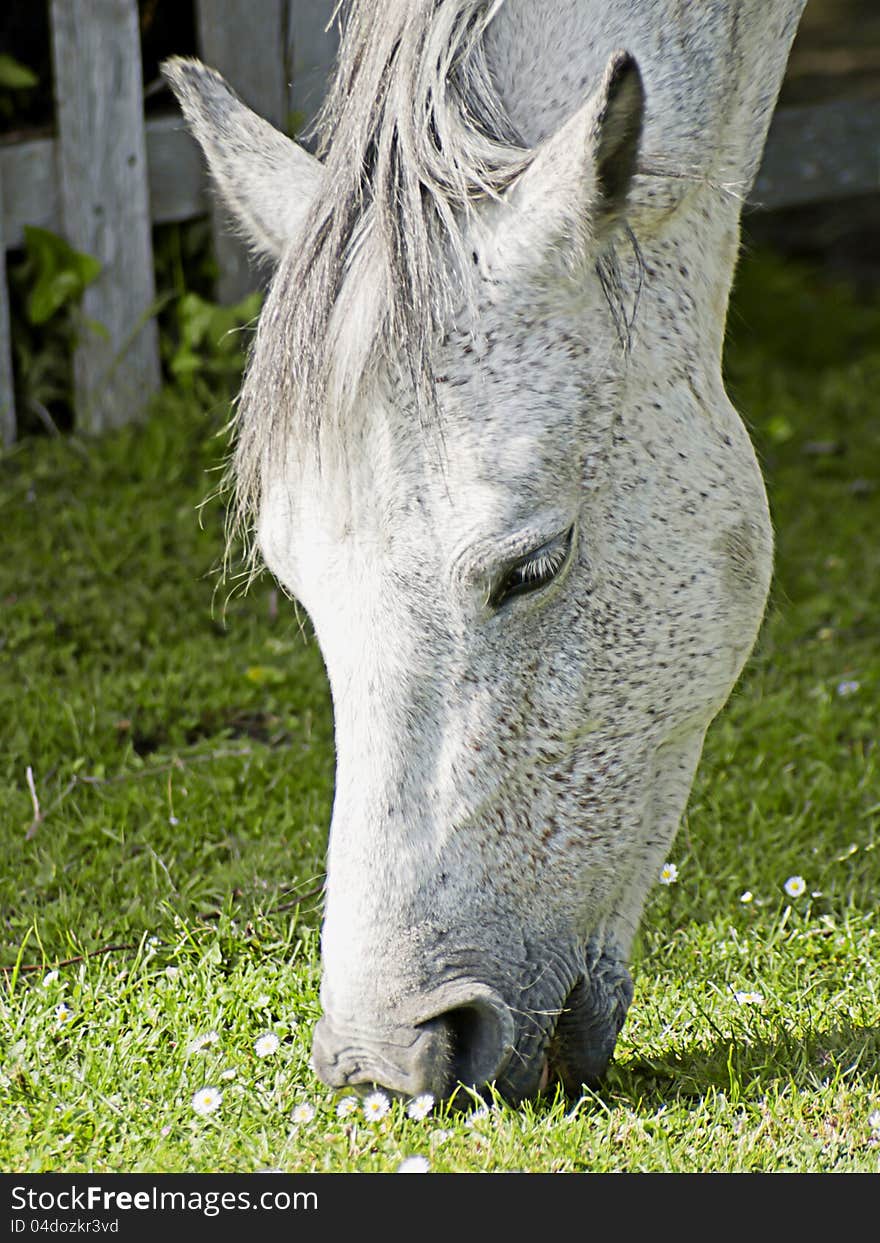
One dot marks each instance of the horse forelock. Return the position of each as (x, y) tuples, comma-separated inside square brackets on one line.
[(412, 134)]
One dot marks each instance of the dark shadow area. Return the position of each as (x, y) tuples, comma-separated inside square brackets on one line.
[(742, 1067), (842, 240), (836, 56)]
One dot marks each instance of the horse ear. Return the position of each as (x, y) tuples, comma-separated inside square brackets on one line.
[(574, 191), (266, 180), (617, 131)]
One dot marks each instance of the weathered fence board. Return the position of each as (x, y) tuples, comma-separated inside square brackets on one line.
[(102, 171), (7, 392), (29, 181), (177, 185), (312, 44), (820, 153), (245, 42)]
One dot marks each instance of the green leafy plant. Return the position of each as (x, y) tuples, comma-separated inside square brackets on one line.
[(47, 287), (61, 273), (210, 342), (203, 344), (14, 76)]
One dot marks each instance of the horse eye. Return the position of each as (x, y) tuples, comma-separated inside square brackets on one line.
[(533, 571)]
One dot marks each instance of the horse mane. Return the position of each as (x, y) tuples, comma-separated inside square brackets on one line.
[(412, 134)]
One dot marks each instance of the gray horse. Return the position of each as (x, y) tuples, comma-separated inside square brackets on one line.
[(484, 440)]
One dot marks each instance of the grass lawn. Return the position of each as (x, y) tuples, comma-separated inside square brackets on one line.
[(159, 884)]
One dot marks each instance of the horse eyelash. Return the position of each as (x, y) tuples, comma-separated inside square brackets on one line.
[(533, 571), (544, 564)]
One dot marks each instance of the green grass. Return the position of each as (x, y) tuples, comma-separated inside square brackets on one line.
[(181, 751)]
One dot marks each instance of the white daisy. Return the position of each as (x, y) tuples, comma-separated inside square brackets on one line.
[(795, 886), (346, 1107), (200, 1042), (376, 1106), (206, 1100), (63, 1013), (302, 1113), (50, 978), (749, 999), (668, 874), (266, 1045), (421, 1106), (747, 897), (414, 1165)]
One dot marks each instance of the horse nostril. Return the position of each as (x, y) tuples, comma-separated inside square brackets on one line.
[(482, 1039)]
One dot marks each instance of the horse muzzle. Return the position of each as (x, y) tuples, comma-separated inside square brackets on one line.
[(466, 1038)]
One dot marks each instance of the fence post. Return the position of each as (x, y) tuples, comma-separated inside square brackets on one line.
[(313, 43), (246, 43), (104, 205), (7, 392)]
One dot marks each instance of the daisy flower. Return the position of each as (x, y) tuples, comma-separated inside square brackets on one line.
[(302, 1113), (414, 1165), (376, 1106), (421, 1106), (668, 874), (266, 1045), (749, 999), (50, 978), (199, 1042), (63, 1013), (206, 1100), (874, 1120), (477, 1115), (795, 886), (747, 897), (346, 1107)]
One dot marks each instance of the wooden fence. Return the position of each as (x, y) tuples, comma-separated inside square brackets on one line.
[(107, 176)]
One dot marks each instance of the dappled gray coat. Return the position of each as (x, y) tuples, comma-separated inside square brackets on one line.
[(485, 441)]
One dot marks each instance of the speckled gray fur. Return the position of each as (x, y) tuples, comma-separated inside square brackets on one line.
[(480, 334)]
